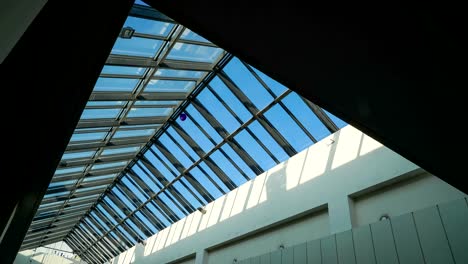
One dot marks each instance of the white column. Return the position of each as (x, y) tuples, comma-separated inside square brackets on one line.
[(340, 212), (201, 257)]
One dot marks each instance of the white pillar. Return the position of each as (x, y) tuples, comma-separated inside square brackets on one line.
[(201, 257), (340, 213)]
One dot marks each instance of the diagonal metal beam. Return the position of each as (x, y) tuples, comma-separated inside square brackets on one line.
[(276, 135), (82, 162)]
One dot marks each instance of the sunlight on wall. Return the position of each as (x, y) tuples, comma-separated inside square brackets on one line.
[(346, 147), (230, 200), (242, 194), (258, 186), (327, 155), (293, 169), (368, 144), (316, 164)]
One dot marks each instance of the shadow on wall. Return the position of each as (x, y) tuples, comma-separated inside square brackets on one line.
[(301, 172)]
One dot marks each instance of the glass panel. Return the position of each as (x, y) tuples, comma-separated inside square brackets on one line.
[(105, 213), (186, 194), (149, 112), (62, 183), (114, 207), (196, 134), (254, 150), (100, 113), (248, 84), (178, 73), (237, 159), (64, 193), (69, 170), (174, 150), (163, 158), (276, 87), (230, 99), (109, 165), (305, 115), (133, 133), (190, 35), (123, 70), (338, 122), (164, 197), (169, 86), (201, 177), (135, 46), (218, 111), (156, 102), (147, 26), (105, 103), (143, 175), (190, 52), (158, 214), (226, 166), (88, 136), (81, 190), (140, 2), (268, 141), (142, 218), (137, 192), (215, 136), (99, 178), (169, 174), (289, 129), (120, 150), (213, 176), (135, 229), (123, 198), (183, 143), (78, 155), (115, 85)]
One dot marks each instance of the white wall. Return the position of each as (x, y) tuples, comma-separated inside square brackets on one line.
[(325, 175), (55, 253), (309, 228), (401, 198)]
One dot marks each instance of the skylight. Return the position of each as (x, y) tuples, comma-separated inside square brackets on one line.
[(140, 166)]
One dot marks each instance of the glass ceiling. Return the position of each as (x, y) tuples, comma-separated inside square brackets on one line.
[(133, 167)]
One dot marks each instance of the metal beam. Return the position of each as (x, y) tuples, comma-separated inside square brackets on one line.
[(114, 143), (82, 162), (97, 123), (275, 134), (149, 96)]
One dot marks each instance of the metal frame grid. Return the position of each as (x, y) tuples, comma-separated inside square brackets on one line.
[(239, 123)]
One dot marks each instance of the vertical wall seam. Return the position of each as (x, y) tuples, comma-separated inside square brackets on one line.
[(417, 236), (445, 233), (393, 238)]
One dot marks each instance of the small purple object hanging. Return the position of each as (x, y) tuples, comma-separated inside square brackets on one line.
[(183, 116)]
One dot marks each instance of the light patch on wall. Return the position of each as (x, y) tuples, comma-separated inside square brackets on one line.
[(230, 199), (257, 188), (241, 199), (150, 242), (187, 225), (346, 147), (316, 165), (162, 238), (195, 223), (368, 144), (216, 211), (128, 257), (178, 230), (294, 168), (205, 217)]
